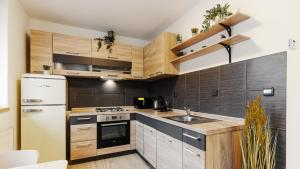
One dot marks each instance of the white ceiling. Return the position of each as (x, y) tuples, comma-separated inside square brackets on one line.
[(141, 19)]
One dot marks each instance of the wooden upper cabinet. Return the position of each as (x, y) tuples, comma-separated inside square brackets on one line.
[(71, 45), (40, 50), (119, 51), (137, 70), (157, 56)]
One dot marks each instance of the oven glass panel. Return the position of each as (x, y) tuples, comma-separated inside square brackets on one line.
[(113, 132)]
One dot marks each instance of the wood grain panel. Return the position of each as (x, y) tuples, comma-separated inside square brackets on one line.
[(233, 89), (40, 50), (71, 45), (83, 149), (83, 132), (137, 70), (209, 82), (132, 134), (110, 150)]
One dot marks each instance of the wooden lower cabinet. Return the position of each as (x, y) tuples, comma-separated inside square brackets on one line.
[(140, 137), (83, 132), (192, 157), (169, 152), (150, 145), (83, 149)]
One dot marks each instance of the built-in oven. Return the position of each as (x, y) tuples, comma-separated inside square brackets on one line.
[(113, 130)]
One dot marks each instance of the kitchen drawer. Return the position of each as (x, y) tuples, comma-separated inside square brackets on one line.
[(83, 149), (193, 158), (194, 139), (73, 73), (83, 120), (146, 120), (83, 132)]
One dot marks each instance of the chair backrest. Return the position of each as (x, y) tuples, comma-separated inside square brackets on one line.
[(10, 159)]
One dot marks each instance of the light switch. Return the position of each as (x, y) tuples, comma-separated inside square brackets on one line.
[(292, 44)]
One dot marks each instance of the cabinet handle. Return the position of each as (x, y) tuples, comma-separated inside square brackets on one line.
[(83, 145), (84, 118), (137, 76), (158, 73), (170, 141), (192, 137), (112, 75), (84, 128), (73, 53), (191, 152), (109, 57)]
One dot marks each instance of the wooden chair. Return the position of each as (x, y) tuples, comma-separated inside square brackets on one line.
[(10, 159)]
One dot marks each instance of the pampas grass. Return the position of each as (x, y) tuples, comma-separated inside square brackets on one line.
[(257, 143)]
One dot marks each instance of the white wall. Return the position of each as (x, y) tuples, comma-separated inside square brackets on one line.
[(71, 30), (267, 29), (17, 24), (293, 92)]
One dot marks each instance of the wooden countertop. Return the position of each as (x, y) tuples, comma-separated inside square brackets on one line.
[(224, 123)]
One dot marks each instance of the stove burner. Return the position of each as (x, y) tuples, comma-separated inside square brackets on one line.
[(110, 109)]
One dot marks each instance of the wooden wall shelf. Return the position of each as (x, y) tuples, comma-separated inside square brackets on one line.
[(231, 21), (204, 51)]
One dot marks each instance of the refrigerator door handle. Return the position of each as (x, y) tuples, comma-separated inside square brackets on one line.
[(32, 100), (32, 110)]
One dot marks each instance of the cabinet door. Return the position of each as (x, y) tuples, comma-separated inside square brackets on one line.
[(40, 50), (71, 45), (150, 145), (120, 52), (132, 134), (101, 53), (147, 60), (137, 70), (193, 158), (157, 56), (169, 152), (140, 137), (83, 149), (83, 132)]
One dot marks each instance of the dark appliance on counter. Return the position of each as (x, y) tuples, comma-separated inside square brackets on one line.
[(113, 130), (159, 103), (143, 102)]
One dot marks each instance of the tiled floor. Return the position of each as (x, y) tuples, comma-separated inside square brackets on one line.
[(132, 161)]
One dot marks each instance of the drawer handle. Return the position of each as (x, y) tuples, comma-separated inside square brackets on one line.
[(84, 128), (112, 75), (73, 53), (73, 73), (192, 137), (191, 152), (109, 57), (158, 73), (84, 118), (170, 141), (83, 145)]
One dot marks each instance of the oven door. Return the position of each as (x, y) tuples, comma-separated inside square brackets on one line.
[(113, 133)]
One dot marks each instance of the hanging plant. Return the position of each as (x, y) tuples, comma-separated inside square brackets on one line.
[(215, 14), (257, 143), (108, 41)]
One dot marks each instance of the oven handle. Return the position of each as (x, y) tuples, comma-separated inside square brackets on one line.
[(113, 124)]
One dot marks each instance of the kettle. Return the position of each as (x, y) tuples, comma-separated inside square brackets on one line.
[(159, 104)]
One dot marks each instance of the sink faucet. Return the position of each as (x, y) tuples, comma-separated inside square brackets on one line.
[(188, 111)]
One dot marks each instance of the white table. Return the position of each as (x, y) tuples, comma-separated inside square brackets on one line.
[(61, 164)]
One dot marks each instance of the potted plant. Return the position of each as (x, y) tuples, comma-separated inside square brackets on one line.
[(215, 15), (178, 38), (194, 31), (257, 143)]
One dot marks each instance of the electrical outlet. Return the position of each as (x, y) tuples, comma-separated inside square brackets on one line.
[(292, 44)]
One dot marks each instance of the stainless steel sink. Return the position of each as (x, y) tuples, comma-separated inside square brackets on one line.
[(191, 119)]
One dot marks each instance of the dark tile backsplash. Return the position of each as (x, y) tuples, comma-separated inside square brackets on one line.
[(223, 90)]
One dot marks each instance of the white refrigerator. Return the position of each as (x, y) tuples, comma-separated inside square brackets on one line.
[(43, 115)]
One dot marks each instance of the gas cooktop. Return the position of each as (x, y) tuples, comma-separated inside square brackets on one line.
[(110, 109)]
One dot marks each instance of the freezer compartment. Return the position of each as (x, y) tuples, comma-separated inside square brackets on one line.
[(43, 128), (38, 91)]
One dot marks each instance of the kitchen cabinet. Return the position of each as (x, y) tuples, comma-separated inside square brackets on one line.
[(132, 134), (140, 137), (150, 145), (137, 70), (71, 45), (40, 50), (157, 56), (119, 51), (83, 137), (169, 152), (192, 157)]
